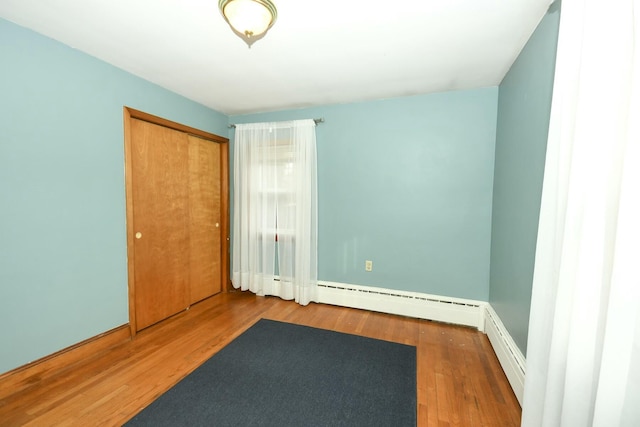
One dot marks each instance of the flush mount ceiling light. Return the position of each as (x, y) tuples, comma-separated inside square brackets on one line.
[(249, 19)]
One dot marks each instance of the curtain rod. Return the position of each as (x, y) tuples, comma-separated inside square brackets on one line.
[(318, 121)]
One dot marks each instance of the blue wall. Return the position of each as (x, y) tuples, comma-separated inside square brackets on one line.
[(406, 183), (63, 255), (523, 123)]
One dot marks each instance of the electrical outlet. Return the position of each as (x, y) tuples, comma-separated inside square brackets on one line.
[(368, 265)]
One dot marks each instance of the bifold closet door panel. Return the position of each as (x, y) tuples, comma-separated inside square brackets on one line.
[(160, 199), (205, 218)]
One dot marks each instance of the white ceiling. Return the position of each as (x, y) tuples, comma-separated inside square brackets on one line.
[(318, 52)]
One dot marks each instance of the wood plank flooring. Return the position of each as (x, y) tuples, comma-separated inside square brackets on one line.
[(459, 379)]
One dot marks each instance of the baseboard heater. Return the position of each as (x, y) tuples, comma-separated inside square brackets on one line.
[(511, 358), (411, 304)]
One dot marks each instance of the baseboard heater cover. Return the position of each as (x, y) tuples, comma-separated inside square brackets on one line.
[(509, 355), (412, 304)]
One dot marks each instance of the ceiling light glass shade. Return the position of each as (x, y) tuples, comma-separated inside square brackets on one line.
[(249, 19)]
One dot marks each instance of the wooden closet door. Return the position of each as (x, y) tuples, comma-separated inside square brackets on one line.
[(160, 199), (205, 218)]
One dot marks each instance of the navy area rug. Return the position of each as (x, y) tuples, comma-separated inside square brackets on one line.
[(282, 374)]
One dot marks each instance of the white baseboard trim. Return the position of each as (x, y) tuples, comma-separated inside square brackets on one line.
[(412, 304), (510, 357)]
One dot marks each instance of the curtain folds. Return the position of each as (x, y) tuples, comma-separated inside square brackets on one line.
[(276, 209), (583, 359)]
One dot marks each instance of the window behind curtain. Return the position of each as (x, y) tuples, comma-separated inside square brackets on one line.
[(275, 198)]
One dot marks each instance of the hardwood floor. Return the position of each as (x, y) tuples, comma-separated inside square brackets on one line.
[(460, 382)]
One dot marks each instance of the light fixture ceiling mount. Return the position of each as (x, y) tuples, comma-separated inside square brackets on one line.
[(249, 19)]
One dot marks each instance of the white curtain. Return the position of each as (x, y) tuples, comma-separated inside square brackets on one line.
[(583, 358), (275, 210)]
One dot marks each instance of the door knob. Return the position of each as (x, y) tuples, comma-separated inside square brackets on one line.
[(138, 235), (217, 224)]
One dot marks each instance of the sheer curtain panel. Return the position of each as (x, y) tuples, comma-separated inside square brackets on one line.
[(275, 210), (583, 358)]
